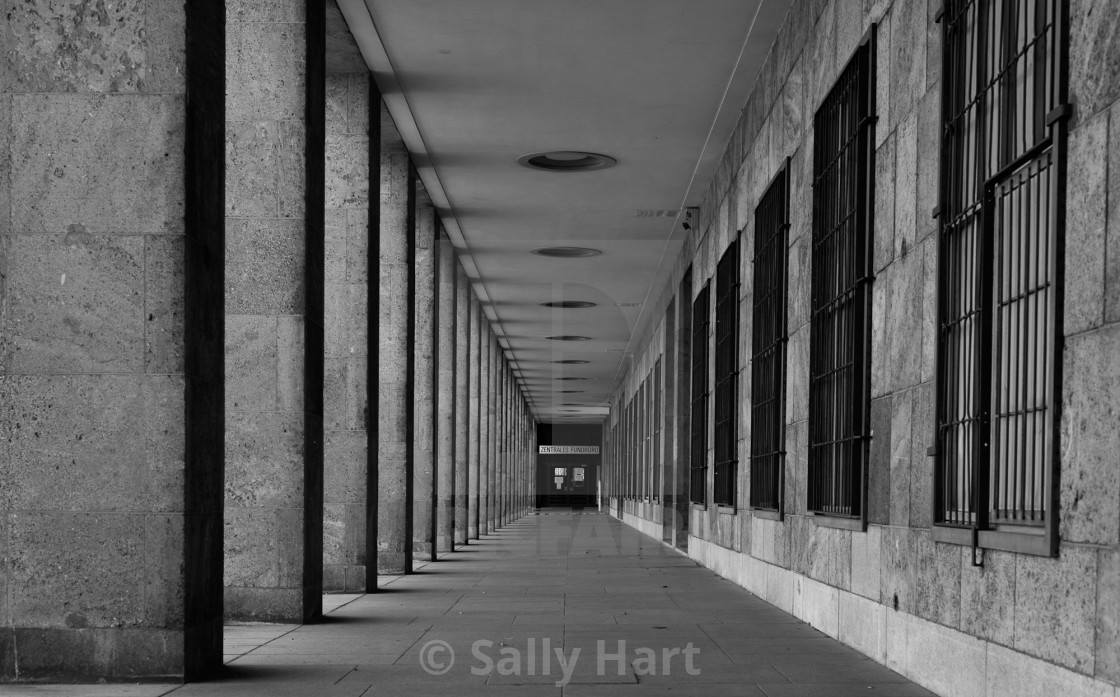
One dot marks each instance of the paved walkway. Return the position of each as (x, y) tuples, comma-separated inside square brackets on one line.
[(548, 599)]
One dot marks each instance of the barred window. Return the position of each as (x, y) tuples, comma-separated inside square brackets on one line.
[(1002, 173), (768, 344), (727, 376), (632, 455), (698, 485), (626, 451), (657, 446), (644, 400), (840, 339)]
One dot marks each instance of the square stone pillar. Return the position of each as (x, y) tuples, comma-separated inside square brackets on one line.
[(274, 311), (396, 336), (484, 397), (492, 436), (111, 244), (473, 417), (424, 470), (445, 398), (346, 345), (462, 404)]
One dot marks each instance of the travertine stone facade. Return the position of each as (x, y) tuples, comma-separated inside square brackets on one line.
[(1020, 622)]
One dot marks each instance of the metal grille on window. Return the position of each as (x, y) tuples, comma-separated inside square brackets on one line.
[(647, 464), (657, 446), (727, 376), (643, 439), (625, 445), (631, 458), (699, 423), (768, 344), (840, 337), (1002, 170)]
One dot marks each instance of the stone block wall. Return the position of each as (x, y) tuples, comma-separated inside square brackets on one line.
[(1020, 622)]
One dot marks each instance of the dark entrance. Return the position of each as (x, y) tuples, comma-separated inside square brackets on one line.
[(568, 462)]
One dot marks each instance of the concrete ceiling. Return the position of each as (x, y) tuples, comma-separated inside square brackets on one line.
[(474, 85)]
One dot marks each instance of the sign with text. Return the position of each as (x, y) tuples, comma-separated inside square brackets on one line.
[(568, 450)]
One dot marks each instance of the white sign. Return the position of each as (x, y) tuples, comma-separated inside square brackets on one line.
[(578, 472), (568, 450)]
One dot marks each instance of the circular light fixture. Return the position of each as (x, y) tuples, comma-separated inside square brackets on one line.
[(566, 161), (566, 252), (568, 337), (569, 304), (572, 361)]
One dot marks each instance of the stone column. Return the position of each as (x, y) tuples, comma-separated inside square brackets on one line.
[(472, 422), (395, 359), (274, 312), (499, 436), (424, 484), (445, 398), (462, 406), (111, 380), (491, 429), (483, 423), (346, 346), (503, 457)]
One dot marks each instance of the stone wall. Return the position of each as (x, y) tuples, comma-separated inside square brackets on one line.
[(1022, 624)]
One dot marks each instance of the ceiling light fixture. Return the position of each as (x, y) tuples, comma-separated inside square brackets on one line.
[(571, 378), (569, 304), (568, 337), (566, 252), (566, 161), (572, 361)]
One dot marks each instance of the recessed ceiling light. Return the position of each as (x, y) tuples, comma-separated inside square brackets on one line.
[(568, 337), (567, 161), (566, 252), (572, 361), (569, 304)]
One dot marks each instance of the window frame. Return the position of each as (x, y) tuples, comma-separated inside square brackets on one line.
[(770, 309), (851, 481), (726, 378), (699, 372), (657, 419), (981, 532)]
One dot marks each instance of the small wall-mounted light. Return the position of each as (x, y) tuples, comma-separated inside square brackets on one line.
[(691, 218)]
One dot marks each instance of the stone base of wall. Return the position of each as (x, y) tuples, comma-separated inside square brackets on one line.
[(943, 660), (642, 525)]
